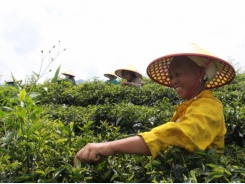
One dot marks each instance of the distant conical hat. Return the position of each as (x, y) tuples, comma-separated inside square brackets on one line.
[(218, 71), (110, 73), (68, 72), (9, 80), (118, 72)]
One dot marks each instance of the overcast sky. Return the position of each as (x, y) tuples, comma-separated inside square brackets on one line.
[(104, 35)]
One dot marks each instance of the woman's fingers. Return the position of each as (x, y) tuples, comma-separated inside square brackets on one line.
[(93, 156), (87, 154)]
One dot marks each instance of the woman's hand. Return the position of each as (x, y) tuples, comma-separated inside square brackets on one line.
[(124, 83), (93, 152)]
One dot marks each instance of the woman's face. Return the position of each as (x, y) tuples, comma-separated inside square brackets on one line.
[(183, 74), (127, 75)]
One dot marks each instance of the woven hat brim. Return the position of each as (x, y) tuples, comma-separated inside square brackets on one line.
[(107, 75), (157, 70), (119, 73), (66, 73)]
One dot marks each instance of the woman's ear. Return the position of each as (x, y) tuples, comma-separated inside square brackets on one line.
[(204, 77)]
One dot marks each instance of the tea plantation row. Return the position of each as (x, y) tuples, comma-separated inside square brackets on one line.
[(43, 126)]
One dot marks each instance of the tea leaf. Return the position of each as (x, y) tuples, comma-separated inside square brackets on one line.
[(39, 171), (213, 175), (22, 95), (48, 170), (61, 140), (57, 172), (35, 127), (54, 79)]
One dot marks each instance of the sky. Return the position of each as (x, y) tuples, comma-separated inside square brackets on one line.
[(93, 37)]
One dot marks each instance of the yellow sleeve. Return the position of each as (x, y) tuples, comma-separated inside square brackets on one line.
[(200, 127)]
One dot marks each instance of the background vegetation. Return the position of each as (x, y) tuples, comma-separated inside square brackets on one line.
[(42, 126)]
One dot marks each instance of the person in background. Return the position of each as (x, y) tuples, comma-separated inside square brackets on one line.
[(112, 78), (197, 123), (132, 76), (10, 82), (69, 76)]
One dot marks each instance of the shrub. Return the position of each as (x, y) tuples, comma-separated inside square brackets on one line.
[(43, 127)]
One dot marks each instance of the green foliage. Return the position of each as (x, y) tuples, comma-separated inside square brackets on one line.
[(97, 92), (42, 126), (233, 99)]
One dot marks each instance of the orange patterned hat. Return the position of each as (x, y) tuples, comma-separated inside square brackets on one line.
[(218, 71)]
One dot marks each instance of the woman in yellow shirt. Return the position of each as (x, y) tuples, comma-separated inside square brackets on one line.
[(198, 122)]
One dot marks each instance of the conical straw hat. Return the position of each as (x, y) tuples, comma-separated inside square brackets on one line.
[(9, 80), (219, 72), (110, 73), (68, 72), (118, 72)]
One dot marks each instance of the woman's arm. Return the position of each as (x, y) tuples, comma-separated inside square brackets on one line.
[(92, 152)]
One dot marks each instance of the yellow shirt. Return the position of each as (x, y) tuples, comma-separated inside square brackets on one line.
[(196, 124)]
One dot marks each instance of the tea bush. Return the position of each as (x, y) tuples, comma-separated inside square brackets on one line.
[(43, 127)]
